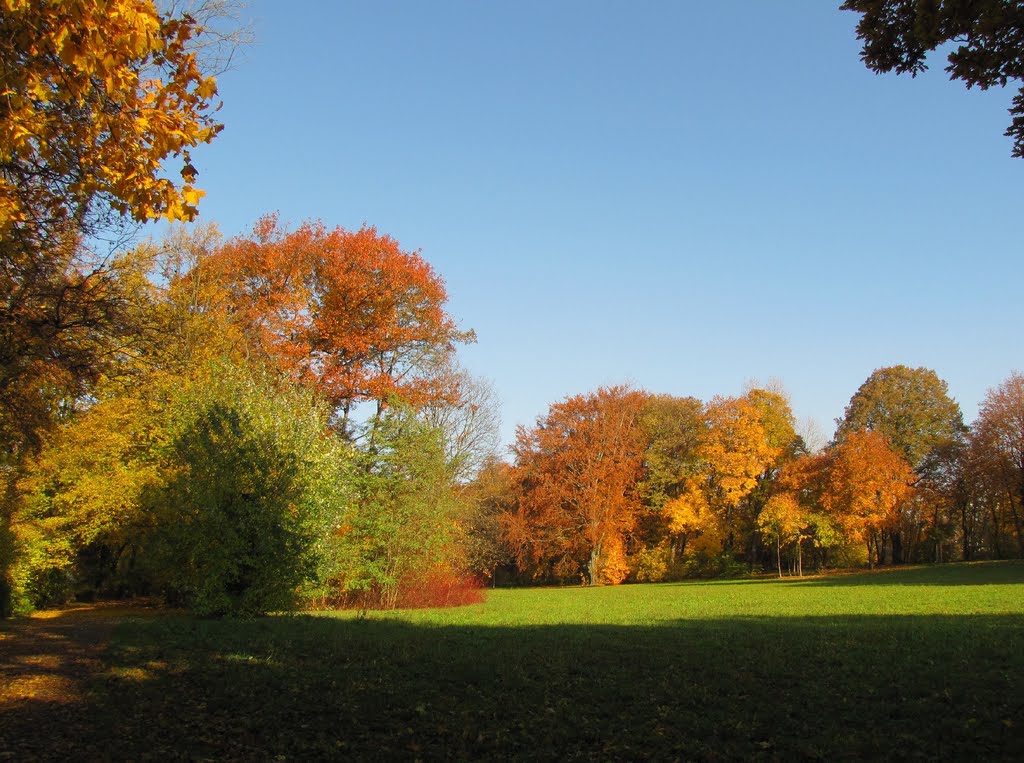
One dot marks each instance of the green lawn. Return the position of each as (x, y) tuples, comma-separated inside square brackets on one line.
[(917, 663)]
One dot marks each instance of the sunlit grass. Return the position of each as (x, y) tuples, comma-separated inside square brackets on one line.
[(980, 588)]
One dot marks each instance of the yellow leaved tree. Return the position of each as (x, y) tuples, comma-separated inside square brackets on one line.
[(736, 452), (101, 103), (784, 519), (692, 520), (97, 96)]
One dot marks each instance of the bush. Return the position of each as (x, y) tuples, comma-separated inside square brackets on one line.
[(650, 565), (714, 566), (246, 521), (439, 588), (405, 514)]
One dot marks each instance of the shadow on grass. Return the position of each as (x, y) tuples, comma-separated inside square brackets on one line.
[(739, 688), (47, 666)]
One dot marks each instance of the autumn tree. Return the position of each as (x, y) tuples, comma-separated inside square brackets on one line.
[(805, 479), (741, 445), (784, 519), (779, 423), (912, 408), (986, 40), (692, 521), (100, 100), (998, 444), (488, 497), (866, 483), (674, 428), (349, 312), (576, 484), (81, 512)]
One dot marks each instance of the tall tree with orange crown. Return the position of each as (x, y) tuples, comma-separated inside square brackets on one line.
[(576, 483), (866, 483), (350, 313)]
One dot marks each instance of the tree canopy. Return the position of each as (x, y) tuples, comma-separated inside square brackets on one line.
[(102, 105), (97, 98), (910, 406), (898, 35), (349, 312)]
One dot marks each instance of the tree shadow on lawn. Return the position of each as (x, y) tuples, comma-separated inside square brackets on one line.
[(847, 687)]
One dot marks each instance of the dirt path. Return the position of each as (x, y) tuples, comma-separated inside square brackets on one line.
[(47, 664)]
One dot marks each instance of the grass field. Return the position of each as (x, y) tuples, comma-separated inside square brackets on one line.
[(906, 664)]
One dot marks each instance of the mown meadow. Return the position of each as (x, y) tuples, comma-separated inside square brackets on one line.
[(913, 663)]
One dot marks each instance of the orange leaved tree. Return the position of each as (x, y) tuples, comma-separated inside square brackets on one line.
[(575, 482), (998, 447), (349, 312), (866, 483)]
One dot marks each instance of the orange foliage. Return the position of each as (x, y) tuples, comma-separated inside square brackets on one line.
[(575, 480), (439, 587), (866, 482), (349, 312)]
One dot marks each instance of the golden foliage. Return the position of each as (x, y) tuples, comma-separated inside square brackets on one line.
[(690, 511), (737, 449), (97, 96), (614, 567), (783, 517)]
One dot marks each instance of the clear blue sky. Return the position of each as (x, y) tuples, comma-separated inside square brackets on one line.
[(680, 195)]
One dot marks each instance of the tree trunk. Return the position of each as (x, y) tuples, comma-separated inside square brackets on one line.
[(896, 539), (778, 554), (995, 531), (1017, 522), (965, 532), (592, 566)]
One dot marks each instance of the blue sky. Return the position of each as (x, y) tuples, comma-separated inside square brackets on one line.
[(680, 195)]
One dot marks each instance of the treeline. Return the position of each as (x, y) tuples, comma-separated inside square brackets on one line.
[(273, 421), (279, 420), (622, 485)]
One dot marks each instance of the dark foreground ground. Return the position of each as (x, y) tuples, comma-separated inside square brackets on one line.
[(94, 683)]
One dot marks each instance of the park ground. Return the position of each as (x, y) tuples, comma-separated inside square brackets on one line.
[(916, 663)]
